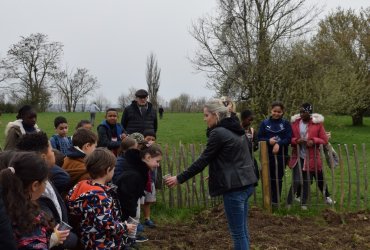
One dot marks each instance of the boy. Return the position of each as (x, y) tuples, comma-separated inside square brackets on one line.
[(60, 140), (84, 143), (110, 132), (95, 205)]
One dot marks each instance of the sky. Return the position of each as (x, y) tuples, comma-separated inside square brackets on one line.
[(113, 38)]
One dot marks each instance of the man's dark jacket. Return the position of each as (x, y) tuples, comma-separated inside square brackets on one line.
[(133, 121)]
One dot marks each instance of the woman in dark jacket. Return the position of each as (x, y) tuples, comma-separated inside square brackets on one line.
[(231, 171)]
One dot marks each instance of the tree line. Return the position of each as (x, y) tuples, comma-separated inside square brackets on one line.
[(259, 51)]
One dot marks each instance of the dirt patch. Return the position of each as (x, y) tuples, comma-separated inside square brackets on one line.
[(208, 230)]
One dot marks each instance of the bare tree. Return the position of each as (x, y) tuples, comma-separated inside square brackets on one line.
[(32, 64), (153, 74), (237, 46), (123, 100), (76, 86), (102, 102)]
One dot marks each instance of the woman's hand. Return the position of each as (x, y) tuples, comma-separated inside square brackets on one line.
[(61, 234), (171, 181), (275, 148)]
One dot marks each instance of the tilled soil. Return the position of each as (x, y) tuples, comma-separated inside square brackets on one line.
[(208, 230)]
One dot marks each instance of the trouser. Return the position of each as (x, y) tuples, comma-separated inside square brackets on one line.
[(276, 177), (92, 118), (236, 209), (307, 178)]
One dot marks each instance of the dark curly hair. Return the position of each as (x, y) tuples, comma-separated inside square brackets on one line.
[(36, 142), (28, 168)]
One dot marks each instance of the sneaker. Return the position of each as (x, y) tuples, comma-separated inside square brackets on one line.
[(131, 244), (298, 199), (141, 238), (304, 207), (329, 201), (140, 228), (149, 223)]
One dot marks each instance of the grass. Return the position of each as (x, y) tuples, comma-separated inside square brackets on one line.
[(190, 128)]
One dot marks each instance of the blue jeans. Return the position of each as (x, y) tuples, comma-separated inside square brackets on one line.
[(236, 209)]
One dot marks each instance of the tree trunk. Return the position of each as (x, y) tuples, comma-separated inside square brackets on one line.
[(357, 119)]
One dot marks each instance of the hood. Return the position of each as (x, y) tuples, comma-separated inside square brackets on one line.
[(18, 124), (84, 188), (135, 163), (230, 123), (75, 152), (315, 117)]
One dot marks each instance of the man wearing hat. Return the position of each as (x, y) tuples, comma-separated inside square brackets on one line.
[(140, 115)]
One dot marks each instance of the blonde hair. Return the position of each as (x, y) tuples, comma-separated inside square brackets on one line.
[(217, 107)]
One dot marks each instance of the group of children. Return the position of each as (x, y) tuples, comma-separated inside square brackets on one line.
[(78, 192)]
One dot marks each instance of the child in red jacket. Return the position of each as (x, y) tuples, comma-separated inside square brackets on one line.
[(308, 133)]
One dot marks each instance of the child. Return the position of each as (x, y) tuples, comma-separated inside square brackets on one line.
[(110, 132), (58, 176), (126, 144), (84, 124), (95, 204), (308, 132), (25, 124), (23, 182), (60, 140), (150, 192), (132, 182), (277, 132), (50, 201), (84, 143), (246, 120)]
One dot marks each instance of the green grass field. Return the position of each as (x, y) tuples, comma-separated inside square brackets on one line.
[(190, 128)]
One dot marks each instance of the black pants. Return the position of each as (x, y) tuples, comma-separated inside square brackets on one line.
[(276, 177), (307, 179)]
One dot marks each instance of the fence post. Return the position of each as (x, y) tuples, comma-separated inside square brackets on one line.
[(349, 177), (357, 176), (341, 177), (365, 173), (265, 177), (178, 169)]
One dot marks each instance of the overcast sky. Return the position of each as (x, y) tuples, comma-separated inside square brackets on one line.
[(112, 38)]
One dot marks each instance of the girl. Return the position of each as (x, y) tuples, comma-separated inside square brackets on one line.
[(308, 133), (23, 182), (25, 124), (231, 171), (94, 205), (132, 181), (277, 132)]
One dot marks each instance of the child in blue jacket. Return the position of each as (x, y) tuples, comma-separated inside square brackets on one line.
[(277, 133), (110, 132)]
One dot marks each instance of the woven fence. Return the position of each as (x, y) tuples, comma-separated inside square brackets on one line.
[(345, 174)]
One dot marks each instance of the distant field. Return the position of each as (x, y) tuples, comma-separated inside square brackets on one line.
[(190, 127)]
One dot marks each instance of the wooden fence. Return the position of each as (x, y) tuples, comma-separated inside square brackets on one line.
[(347, 181)]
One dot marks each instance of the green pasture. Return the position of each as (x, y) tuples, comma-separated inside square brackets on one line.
[(190, 128)]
